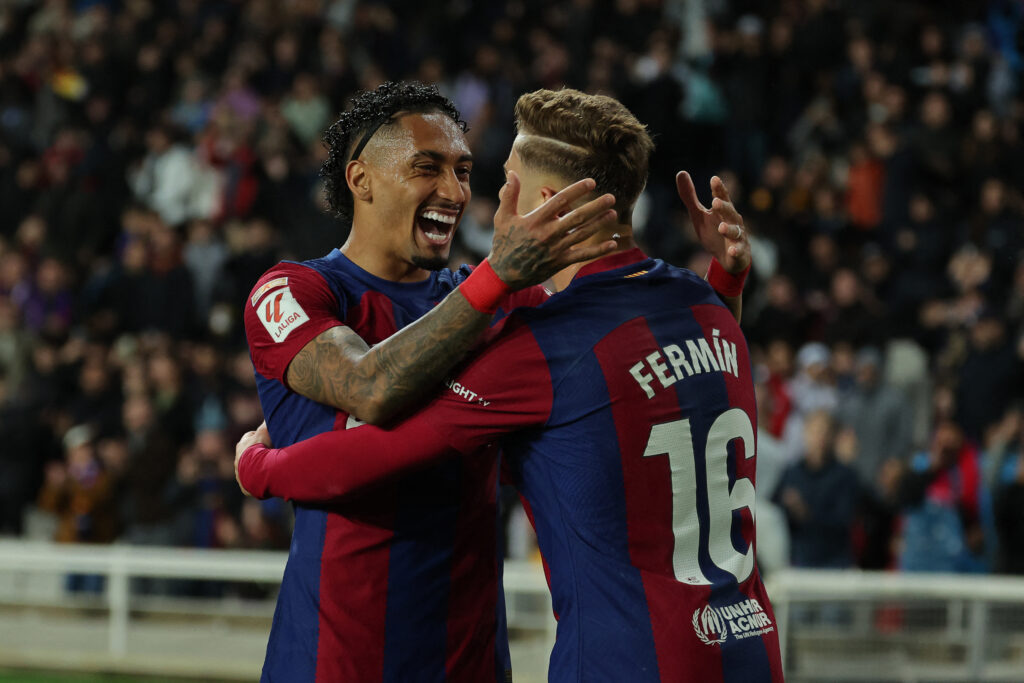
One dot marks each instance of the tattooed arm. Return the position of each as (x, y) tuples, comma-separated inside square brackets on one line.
[(339, 369)]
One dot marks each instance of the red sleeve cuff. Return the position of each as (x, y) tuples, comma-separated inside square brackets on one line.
[(724, 282)]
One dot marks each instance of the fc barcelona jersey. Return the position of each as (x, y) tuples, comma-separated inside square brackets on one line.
[(401, 583)]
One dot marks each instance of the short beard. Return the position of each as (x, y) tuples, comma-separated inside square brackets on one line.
[(430, 263)]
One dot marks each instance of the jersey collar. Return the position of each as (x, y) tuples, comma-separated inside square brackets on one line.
[(611, 262)]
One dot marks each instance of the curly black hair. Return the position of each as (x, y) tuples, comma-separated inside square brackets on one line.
[(369, 110)]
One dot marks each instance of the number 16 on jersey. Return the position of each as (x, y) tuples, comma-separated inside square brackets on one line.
[(674, 440)]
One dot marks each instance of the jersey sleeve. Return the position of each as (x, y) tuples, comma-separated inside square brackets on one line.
[(506, 388), (334, 464), (289, 306)]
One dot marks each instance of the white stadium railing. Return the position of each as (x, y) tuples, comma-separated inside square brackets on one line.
[(912, 628), (31, 578), (835, 625), (119, 563)]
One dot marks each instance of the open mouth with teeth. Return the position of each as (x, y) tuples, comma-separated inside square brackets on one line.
[(436, 227)]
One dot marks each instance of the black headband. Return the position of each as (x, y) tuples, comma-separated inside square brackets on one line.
[(366, 138)]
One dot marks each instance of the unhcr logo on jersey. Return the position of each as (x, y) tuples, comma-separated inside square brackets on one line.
[(710, 627), (746, 619)]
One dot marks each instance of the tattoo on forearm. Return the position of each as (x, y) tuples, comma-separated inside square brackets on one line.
[(338, 369), (323, 370)]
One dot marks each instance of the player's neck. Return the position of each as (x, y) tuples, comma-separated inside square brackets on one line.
[(380, 262), (625, 241)]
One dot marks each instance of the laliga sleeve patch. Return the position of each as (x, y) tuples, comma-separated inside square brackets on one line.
[(276, 282), (280, 313)]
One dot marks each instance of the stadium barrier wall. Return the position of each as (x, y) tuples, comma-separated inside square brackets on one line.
[(836, 625), (32, 577), (849, 625)]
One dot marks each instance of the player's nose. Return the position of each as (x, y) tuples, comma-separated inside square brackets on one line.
[(449, 187)]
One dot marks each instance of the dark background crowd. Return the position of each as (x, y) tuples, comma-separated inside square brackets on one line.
[(156, 158)]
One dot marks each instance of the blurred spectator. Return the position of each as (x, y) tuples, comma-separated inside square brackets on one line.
[(942, 497), (46, 305), (864, 196), (819, 496), (21, 459), (813, 387), (990, 376), (782, 316), (166, 286), (97, 401), (879, 416), (997, 229), (1004, 454), (15, 344), (204, 255), (848, 318), (166, 179), (204, 489), (306, 110), (935, 141), (922, 248), (194, 107), (80, 493), (151, 462), (876, 534)]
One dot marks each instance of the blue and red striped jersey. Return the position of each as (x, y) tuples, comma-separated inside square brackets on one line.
[(641, 481), (625, 406), (401, 583)]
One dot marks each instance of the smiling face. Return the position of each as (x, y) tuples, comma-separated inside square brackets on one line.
[(410, 194)]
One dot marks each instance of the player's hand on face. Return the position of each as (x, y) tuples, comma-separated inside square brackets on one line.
[(261, 436), (720, 229), (527, 250)]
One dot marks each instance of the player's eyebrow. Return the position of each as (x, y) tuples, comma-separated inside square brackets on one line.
[(438, 156)]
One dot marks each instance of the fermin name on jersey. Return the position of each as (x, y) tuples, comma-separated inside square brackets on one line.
[(674, 362)]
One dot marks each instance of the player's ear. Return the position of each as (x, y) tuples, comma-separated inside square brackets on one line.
[(357, 177), (546, 193)]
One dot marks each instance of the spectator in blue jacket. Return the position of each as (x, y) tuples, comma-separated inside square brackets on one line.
[(819, 496)]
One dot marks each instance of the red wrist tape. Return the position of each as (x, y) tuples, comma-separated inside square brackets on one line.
[(483, 289), (724, 282)]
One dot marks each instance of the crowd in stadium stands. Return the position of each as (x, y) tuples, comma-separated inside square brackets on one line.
[(156, 158)]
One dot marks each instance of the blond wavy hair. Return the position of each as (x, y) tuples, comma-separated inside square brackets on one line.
[(575, 135)]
